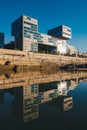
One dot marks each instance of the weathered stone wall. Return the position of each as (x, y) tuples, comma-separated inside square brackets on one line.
[(19, 58)]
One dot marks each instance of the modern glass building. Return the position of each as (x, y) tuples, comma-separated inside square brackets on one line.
[(2, 40), (27, 37), (61, 31)]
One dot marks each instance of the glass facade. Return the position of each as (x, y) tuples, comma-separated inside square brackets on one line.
[(62, 32)]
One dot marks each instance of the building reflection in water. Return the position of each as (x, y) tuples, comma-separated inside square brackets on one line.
[(28, 98), (64, 103)]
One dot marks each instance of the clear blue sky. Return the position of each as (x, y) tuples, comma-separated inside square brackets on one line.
[(50, 13)]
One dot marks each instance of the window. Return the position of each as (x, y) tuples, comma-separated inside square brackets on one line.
[(28, 18), (50, 40), (27, 35)]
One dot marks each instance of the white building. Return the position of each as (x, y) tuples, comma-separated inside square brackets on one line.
[(72, 50)]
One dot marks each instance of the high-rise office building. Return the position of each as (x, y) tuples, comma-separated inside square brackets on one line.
[(27, 37), (2, 40), (22, 29)]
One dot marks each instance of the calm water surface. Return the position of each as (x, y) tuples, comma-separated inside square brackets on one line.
[(55, 105)]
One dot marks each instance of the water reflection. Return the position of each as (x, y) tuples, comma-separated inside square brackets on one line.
[(34, 95), (31, 89)]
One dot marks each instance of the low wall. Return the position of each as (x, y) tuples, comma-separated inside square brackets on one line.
[(41, 60)]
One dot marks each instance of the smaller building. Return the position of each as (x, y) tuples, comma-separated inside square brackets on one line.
[(2, 40), (10, 45), (62, 32), (72, 50), (84, 55)]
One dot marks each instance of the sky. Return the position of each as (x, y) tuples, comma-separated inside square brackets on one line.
[(50, 13)]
